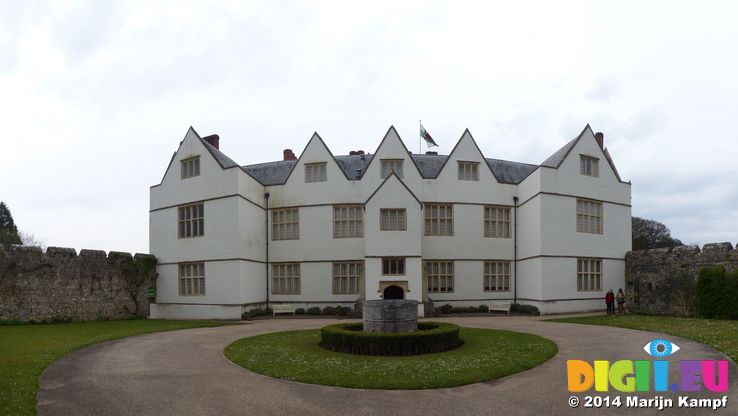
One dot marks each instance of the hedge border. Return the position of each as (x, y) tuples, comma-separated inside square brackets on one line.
[(431, 337)]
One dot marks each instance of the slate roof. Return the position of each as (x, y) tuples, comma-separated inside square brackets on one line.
[(224, 161), (555, 159), (276, 173)]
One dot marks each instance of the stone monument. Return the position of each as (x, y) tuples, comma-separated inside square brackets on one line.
[(391, 315)]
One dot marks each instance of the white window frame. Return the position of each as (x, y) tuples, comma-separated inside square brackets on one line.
[(439, 219), (589, 216), (468, 171), (497, 221), (439, 275), (389, 165), (286, 279), (589, 275), (285, 224), (316, 172), (497, 276), (393, 219), (589, 166), (190, 167), (393, 266), (191, 278), (190, 221), (348, 221), (347, 277)]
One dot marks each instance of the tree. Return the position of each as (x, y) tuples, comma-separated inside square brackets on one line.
[(8, 230), (648, 234)]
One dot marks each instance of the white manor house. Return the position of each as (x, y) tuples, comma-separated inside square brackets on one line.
[(325, 230)]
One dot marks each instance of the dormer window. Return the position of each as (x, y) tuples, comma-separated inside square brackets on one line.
[(315, 172), (589, 166), (468, 171), (392, 165), (190, 167)]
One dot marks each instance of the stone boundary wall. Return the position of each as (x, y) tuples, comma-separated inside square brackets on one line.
[(60, 285), (663, 281)]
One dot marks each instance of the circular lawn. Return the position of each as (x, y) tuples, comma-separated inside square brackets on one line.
[(486, 354)]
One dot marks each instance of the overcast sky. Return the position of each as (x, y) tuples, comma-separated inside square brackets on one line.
[(95, 96)]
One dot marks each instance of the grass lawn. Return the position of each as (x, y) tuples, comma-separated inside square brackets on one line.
[(486, 354), (723, 335), (26, 350)]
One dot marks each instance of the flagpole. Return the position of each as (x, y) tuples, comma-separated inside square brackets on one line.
[(420, 123)]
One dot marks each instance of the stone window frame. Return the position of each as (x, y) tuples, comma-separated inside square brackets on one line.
[(496, 276), (589, 216), (589, 274), (468, 171), (392, 219), (439, 219), (286, 279), (191, 220), (316, 172), (348, 221), (191, 278), (393, 266), (190, 167), (347, 277), (497, 220), (285, 224), (439, 276), (589, 166), (392, 165)]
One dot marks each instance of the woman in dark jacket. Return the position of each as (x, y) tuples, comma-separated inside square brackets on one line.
[(610, 301)]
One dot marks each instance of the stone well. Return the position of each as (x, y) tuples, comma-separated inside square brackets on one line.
[(396, 315)]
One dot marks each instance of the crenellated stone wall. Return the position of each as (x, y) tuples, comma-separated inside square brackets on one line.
[(60, 285), (663, 281)]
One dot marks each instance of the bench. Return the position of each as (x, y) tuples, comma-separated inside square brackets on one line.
[(500, 307), (283, 308)]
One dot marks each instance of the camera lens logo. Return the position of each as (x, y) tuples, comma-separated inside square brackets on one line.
[(660, 348)]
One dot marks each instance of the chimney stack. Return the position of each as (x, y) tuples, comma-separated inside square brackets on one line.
[(429, 152), (213, 139), (600, 139), (288, 155)]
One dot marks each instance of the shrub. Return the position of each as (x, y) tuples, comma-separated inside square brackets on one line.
[(430, 337), (483, 308), (343, 311), (314, 311), (299, 311), (329, 310), (253, 313), (446, 309), (526, 309), (717, 293)]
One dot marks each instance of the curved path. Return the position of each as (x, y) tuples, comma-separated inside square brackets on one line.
[(185, 373)]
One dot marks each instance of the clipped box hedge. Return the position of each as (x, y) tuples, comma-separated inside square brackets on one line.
[(430, 337)]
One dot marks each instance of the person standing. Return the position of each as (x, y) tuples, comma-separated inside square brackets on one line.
[(610, 301), (620, 297)]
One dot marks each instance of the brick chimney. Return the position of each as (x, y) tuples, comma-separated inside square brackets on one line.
[(213, 139), (600, 139), (429, 152), (289, 155)]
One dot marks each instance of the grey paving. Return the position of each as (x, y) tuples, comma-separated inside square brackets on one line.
[(185, 373)]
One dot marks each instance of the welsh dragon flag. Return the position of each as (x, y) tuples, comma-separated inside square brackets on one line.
[(426, 136)]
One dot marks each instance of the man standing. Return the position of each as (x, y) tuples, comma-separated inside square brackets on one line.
[(610, 301)]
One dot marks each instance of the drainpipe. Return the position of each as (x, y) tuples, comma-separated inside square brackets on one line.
[(515, 249), (266, 211)]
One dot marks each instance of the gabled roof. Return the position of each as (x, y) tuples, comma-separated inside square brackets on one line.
[(429, 166), (276, 173), (393, 175), (556, 159)]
